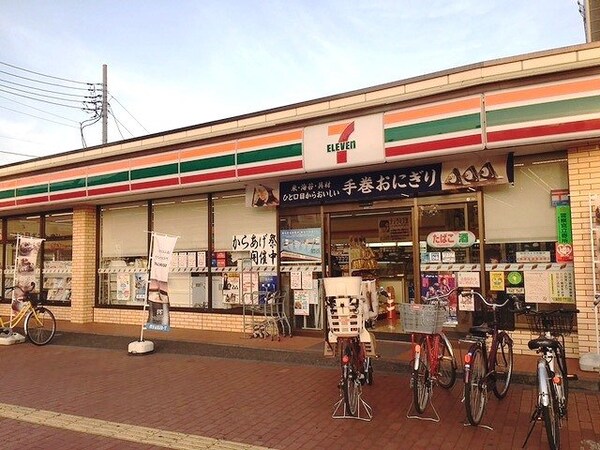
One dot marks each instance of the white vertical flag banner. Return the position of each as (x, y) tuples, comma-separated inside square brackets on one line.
[(158, 291), (25, 265)]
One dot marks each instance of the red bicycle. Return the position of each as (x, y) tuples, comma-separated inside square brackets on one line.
[(433, 357)]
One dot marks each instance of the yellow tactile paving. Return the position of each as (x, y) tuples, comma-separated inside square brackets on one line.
[(115, 430)]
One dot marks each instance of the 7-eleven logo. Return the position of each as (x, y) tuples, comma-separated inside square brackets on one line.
[(341, 147)]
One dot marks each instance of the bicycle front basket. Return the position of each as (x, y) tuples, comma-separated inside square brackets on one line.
[(558, 323), (419, 318)]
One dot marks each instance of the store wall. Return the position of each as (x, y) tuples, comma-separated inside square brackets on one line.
[(584, 179), (84, 260)]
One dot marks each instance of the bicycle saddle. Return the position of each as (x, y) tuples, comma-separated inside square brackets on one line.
[(542, 342), (481, 330)]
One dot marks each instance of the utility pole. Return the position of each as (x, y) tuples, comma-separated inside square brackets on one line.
[(104, 105)]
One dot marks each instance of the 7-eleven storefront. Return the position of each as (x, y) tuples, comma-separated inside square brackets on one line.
[(479, 177)]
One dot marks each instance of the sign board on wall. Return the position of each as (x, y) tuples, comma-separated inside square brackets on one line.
[(365, 186), (352, 142)]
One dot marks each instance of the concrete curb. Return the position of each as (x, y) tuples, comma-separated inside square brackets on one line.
[(306, 357)]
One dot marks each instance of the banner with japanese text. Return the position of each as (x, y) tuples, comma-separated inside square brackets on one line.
[(161, 252), (402, 182), (25, 269)]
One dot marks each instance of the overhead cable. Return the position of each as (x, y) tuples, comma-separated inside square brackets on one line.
[(42, 74), (38, 117), (121, 105), (37, 109)]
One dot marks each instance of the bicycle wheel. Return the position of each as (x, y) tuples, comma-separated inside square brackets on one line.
[(350, 383), (421, 380), (40, 325), (552, 418), (475, 394), (446, 365), (503, 367), (562, 388)]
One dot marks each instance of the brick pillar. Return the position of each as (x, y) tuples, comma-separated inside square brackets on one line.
[(584, 173), (83, 282)]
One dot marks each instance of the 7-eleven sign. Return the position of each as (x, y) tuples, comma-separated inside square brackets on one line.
[(344, 143), (353, 142)]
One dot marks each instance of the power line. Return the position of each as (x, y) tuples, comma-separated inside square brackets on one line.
[(16, 153), (45, 90), (37, 117), (50, 96), (42, 74), (45, 101), (117, 123), (37, 109), (121, 105), (45, 82)]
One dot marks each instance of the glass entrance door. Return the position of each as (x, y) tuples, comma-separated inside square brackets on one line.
[(377, 246)]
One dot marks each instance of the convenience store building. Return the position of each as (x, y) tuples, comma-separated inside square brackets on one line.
[(483, 176)]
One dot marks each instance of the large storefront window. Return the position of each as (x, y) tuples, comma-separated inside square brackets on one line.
[(234, 222), (124, 236), (301, 266), (58, 256), (449, 242), (19, 226), (186, 218), (56, 253), (527, 229)]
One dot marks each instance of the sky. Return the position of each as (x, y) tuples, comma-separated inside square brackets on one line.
[(174, 64)]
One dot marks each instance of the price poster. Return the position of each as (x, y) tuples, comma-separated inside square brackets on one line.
[(301, 303), (296, 280)]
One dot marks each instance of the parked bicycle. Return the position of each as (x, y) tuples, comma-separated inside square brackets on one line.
[(486, 368), (39, 322), (346, 328), (552, 375), (433, 357)]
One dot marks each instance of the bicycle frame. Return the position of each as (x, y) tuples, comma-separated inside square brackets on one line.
[(490, 354), (433, 342), (18, 317)]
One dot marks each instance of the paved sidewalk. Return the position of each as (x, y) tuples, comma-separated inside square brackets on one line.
[(394, 355), (74, 397)]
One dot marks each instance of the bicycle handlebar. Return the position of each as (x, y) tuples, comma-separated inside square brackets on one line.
[(439, 296), (484, 300)]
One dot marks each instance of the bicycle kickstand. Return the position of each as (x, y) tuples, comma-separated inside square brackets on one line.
[(534, 417)]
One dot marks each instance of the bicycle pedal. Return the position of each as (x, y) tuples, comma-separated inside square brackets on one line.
[(572, 376)]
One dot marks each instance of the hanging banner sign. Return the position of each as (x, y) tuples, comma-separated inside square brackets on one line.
[(563, 224), (261, 247), (161, 253), (25, 265), (366, 186)]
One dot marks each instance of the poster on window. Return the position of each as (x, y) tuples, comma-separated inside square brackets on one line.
[(25, 266), (301, 303), (123, 287), (434, 284), (231, 287), (301, 245), (141, 281), (396, 229), (161, 252)]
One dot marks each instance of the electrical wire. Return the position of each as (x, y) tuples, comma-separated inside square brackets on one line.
[(117, 123), (37, 117), (42, 74), (112, 97), (46, 90), (84, 97), (37, 109), (44, 101)]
